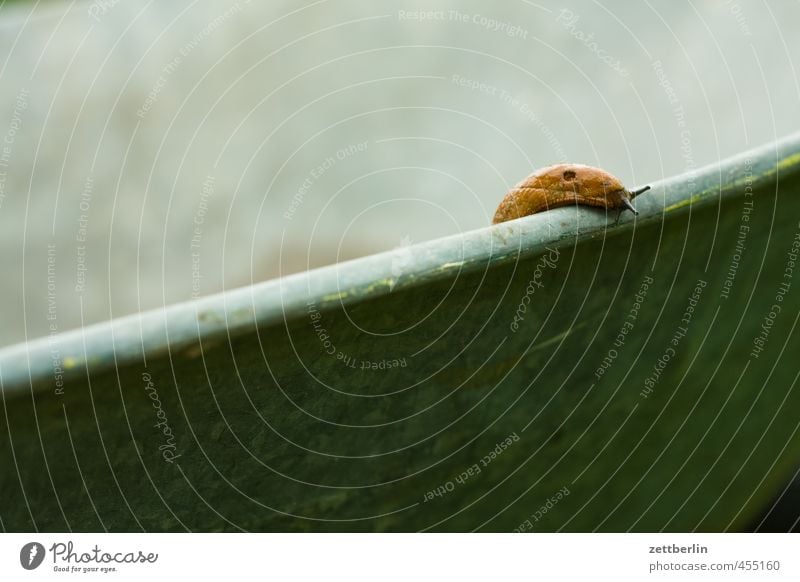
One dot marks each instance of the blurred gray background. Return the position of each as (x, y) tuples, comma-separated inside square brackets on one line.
[(151, 153)]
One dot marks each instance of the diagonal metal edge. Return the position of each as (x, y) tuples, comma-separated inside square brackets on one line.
[(176, 327)]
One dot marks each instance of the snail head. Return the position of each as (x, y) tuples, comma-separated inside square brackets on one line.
[(626, 200)]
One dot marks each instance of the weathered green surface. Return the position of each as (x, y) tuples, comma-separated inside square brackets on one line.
[(274, 433)]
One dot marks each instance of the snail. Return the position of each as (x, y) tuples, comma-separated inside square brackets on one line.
[(565, 185)]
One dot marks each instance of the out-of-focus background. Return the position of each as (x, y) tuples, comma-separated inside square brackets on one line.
[(155, 152)]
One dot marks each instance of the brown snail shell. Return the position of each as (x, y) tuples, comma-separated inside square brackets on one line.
[(565, 185)]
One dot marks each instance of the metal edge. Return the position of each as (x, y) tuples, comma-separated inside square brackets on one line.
[(230, 313)]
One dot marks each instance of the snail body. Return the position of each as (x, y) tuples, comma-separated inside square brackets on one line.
[(565, 185)]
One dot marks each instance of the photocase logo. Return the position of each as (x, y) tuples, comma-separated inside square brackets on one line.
[(31, 555)]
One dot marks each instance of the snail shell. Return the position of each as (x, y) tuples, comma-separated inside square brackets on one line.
[(565, 185)]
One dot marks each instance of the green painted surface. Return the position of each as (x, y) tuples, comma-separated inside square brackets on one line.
[(424, 383)]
